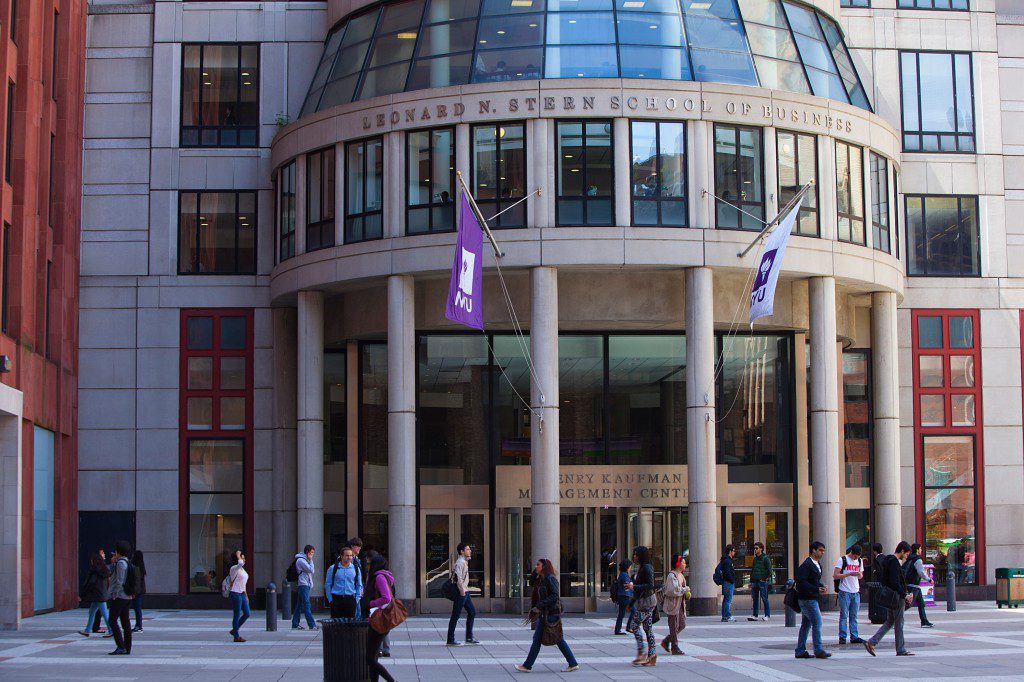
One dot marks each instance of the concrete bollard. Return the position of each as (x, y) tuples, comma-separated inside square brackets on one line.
[(286, 600), (790, 613), (950, 590), (271, 607)]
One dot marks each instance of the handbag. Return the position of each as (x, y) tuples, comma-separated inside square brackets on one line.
[(450, 590), (390, 616), (887, 597), (552, 634), (655, 615), (791, 600)]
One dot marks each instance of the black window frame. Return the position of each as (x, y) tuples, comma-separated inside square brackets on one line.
[(919, 4), (658, 199), (585, 198), (920, 134), (924, 222), (431, 205), (286, 240), (351, 216), (53, 57), (499, 204), (738, 202), (237, 128), (9, 134), (855, 4), (852, 217), (49, 188), (876, 227), (323, 228), (46, 308), (255, 237), (812, 190)]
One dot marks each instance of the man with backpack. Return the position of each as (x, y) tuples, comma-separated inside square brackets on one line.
[(914, 568), (847, 574), (302, 570), (124, 585), (342, 588), (893, 593), (725, 575)]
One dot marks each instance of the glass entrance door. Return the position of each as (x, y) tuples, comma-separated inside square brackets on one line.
[(768, 525), (442, 532)]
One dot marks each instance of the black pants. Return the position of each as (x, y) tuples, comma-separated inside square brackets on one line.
[(377, 671), (120, 623), (343, 606), (919, 598)]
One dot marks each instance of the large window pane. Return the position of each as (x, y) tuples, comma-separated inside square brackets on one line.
[(499, 172), (850, 192), (215, 530), (949, 532), (857, 442), (938, 102), (364, 189), (431, 177), (335, 408), (581, 390), (585, 171), (880, 203), (217, 233), (948, 461), (286, 211), (215, 466), (798, 165), (739, 163), (320, 199), (658, 179), (581, 61), (373, 414), (511, 388), (220, 95), (43, 515), (942, 236)]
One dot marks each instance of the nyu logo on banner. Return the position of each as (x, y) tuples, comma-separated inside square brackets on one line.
[(762, 296), (465, 295)]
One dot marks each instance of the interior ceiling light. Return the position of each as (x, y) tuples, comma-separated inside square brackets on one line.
[(501, 33), (522, 3), (633, 4), (408, 35), (699, 6)]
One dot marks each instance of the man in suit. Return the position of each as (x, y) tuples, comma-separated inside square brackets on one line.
[(808, 588), (893, 577)]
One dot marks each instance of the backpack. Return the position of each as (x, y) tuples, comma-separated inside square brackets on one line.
[(225, 587), (614, 591), (718, 577), (132, 579), (910, 570), (291, 574), (841, 570)]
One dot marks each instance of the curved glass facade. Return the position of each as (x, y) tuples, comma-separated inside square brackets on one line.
[(419, 44)]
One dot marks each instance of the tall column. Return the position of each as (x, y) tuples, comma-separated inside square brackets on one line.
[(310, 441), (544, 510), (623, 179), (402, 432), (824, 416), (886, 410), (700, 166), (285, 440), (700, 440)]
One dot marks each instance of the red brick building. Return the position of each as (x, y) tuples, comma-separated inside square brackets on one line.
[(41, 110)]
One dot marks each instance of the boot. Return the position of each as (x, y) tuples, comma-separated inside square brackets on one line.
[(641, 659), (651, 661), (664, 645)]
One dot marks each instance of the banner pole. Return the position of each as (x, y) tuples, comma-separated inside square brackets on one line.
[(785, 209), (479, 216)]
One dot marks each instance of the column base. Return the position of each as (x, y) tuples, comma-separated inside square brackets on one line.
[(703, 606)]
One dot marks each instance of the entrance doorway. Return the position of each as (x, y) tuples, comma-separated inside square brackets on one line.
[(769, 525), (664, 531), (441, 533)]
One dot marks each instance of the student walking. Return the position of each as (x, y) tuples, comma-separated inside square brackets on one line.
[(140, 563), (725, 575), (95, 591), (380, 588), (644, 603), (460, 571), (761, 578), (847, 573), (305, 568), (121, 598), (914, 568), (808, 587), (238, 578), (546, 614), (623, 596), (674, 604), (342, 588), (894, 591)]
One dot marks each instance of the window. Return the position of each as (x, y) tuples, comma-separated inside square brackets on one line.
[(373, 414), (585, 173), (933, 4), (775, 54), (14, 20), (942, 236), (43, 514), (857, 443), (217, 233), (387, 67), (499, 172), (320, 199), (947, 419), (431, 178), (48, 290), (53, 57), (739, 178), (216, 437), (364, 190), (798, 165), (49, 190), (880, 203), (938, 101), (286, 211), (220, 104), (855, 3), (5, 280), (9, 141), (658, 151), (581, 44), (718, 46), (651, 40), (850, 193), (335, 418)]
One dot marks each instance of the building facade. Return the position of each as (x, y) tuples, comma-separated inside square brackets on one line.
[(43, 57), (269, 220)]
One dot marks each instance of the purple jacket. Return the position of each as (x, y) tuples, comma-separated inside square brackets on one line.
[(383, 581)]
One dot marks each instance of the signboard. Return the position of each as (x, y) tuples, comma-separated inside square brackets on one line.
[(928, 585), (599, 486)]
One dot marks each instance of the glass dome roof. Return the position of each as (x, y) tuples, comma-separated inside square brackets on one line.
[(417, 44)]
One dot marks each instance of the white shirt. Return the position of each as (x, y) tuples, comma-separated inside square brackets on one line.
[(239, 578), (850, 583)]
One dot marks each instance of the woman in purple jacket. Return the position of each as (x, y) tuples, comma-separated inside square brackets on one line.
[(379, 585)]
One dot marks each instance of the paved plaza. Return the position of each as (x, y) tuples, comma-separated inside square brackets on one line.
[(978, 641)]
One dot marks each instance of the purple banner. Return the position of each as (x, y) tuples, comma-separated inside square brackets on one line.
[(465, 292)]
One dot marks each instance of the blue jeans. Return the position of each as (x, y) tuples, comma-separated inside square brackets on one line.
[(463, 602), (624, 608), (303, 607), (727, 590), (811, 621), (100, 606), (240, 606), (535, 649), (849, 604), (759, 590), (137, 606)]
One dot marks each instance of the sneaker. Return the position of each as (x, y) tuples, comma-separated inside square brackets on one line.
[(730, 619), (822, 654), (298, 627), (571, 669), (927, 625), (83, 633), (472, 640), (856, 640), (842, 641), (315, 628), (870, 647), (453, 643), (905, 653), (620, 632), (137, 628), (803, 654), (766, 618), (239, 638), (385, 654), (753, 618), (521, 668), (118, 652)]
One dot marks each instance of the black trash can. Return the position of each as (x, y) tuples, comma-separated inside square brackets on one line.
[(345, 650)]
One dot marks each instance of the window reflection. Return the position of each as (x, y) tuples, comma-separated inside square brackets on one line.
[(220, 95), (739, 163), (880, 203), (850, 192), (364, 189), (942, 236), (658, 173), (798, 165), (431, 180), (938, 102), (499, 173), (585, 172)]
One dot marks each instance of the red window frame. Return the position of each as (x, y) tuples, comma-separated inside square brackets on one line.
[(948, 429), (185, 434)]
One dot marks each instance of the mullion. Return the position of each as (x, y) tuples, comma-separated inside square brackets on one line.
[(238, 227)]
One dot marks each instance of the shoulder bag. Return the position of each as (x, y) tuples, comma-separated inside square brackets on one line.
[(390, 616)]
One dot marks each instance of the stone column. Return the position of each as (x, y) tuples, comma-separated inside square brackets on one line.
[(886, 410), (310, 441), (824, 416), (339, 193), (402, 432), (285, 440), (544, 509), (701, 167), (700, 440), (393, 210), (623, 203)]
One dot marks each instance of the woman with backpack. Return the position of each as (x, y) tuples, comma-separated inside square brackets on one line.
[(95, 592), (379, 592), (237, 579), (674, 604), (644, 602), (546, 613), (139, 563), (622, 596)]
